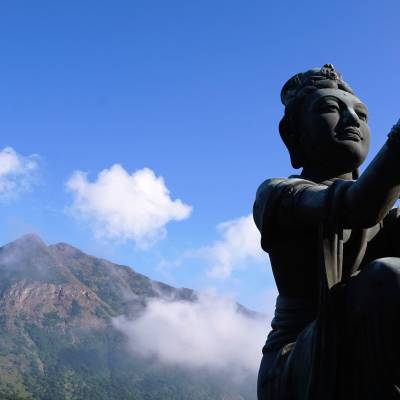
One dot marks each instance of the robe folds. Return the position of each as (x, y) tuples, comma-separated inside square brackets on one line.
[(341, 343)]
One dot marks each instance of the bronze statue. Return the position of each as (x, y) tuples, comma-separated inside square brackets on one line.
[(333, 238)]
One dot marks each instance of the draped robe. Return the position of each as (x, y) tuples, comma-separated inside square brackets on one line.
[(319, 347)]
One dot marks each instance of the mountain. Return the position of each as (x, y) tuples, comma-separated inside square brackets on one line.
[(57, 340)]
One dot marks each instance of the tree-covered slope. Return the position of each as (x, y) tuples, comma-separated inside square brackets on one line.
[(57, 340)]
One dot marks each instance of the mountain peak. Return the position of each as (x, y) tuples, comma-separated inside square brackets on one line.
[(31, 238), (26, 257), (28, 241)]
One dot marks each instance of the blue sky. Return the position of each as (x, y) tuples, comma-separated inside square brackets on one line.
[(187, 89)]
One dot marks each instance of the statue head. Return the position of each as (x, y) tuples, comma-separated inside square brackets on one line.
[(325, 124)]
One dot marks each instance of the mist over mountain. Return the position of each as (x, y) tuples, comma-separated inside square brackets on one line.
[(73, 326)]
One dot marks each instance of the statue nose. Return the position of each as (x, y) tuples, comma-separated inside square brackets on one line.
[(350, 117)]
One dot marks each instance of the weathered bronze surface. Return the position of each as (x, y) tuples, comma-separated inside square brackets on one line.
[(333, 238)]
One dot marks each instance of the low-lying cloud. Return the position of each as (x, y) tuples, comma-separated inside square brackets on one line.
[(209, 333), (239, 244), (123, 206), (18, 173)]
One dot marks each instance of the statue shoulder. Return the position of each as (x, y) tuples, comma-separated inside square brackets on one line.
[(272, 185), (270, 194)]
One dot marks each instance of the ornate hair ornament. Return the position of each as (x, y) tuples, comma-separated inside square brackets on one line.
[(329, 71), (326, 76)]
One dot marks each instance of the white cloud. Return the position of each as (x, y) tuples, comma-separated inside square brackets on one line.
[(210, 333), (17, 172), (123, 206), (239, 244)]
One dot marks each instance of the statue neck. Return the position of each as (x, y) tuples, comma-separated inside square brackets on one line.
[(318, 175)]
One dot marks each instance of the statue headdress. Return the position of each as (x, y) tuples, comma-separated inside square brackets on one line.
[(325, 77)]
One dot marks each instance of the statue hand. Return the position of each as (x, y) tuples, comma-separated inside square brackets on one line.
[(394, 134)]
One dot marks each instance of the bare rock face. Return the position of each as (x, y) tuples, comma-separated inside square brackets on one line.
[(34, 274), (56, 336)]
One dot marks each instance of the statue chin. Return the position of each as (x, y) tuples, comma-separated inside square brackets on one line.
[(352, 159), (328, 166)]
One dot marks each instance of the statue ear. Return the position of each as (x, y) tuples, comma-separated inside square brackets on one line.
[(292, 142)]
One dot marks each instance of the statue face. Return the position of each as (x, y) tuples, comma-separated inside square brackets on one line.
[(335, 133)]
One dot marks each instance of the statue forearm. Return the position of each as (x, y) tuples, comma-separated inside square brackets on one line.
[(375, 192)]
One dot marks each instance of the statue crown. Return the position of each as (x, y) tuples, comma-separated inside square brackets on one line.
[(313, 77)]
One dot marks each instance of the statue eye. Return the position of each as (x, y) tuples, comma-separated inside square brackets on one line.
[(330, 108), (362, 115), (361, 112)]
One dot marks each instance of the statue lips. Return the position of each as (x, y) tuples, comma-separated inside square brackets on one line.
[(350, 133)]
